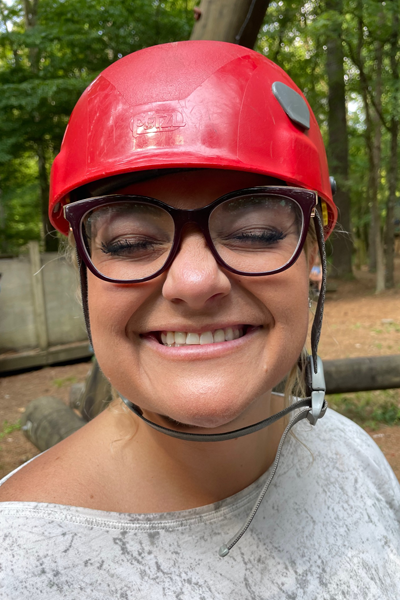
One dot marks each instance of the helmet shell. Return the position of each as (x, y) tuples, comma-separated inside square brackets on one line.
[(195, 104)]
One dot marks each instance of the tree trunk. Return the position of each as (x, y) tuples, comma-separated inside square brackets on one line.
[(391, 202), (375, 162), (338, 143), (30, 17), (373, 135), (50, 238), (3, 245), (235, 21), (393, 156), (372, 246), (373, 182), (376, 218)]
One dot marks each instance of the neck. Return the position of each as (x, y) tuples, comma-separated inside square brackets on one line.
[(169, 474)]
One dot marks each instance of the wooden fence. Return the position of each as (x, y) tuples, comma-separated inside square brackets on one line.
[(41, 320)]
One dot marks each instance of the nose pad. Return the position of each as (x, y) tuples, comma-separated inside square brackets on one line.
[(195, 277)]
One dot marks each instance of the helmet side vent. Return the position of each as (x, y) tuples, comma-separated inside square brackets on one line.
[(292, 103)]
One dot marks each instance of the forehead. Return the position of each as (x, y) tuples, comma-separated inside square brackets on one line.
[(195, 188)]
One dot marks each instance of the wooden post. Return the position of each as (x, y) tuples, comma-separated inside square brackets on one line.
[(38, 296)]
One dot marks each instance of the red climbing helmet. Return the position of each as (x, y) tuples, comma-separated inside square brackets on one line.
[(196, 104)]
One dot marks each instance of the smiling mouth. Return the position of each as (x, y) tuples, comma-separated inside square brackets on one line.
[(174, 339)]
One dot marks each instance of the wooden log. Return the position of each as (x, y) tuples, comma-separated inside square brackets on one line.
[(362, 374), (47, 420), (345, 375)]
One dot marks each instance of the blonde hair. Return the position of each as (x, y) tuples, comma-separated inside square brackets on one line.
[(294, 386)]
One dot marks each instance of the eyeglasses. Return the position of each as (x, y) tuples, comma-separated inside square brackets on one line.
[(131, 239)]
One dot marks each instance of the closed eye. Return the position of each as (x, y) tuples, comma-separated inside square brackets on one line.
[(131, 248), (263, 238)]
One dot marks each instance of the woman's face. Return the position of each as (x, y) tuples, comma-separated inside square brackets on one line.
[(207, 385)]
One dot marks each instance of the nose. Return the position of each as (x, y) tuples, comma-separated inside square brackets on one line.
[(195, 278)]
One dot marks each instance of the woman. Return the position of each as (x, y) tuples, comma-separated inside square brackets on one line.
[(194, 179)]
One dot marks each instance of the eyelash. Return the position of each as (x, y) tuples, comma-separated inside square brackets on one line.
[(264, 236), (123, 245)]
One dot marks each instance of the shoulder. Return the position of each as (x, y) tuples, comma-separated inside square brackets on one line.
[(347, 459), (36, 480), (58, 475), (339, 436), (338, 491), (83, 470), (345, 436)]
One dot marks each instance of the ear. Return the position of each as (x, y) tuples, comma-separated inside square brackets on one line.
[(312, 256)]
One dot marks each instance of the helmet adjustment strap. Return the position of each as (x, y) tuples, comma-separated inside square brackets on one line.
[(84, 294)]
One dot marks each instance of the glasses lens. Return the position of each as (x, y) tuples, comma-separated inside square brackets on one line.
[(128, 240), (256, 233)]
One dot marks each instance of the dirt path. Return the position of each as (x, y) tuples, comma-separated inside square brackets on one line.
[(359, 323), (16, 392), (356, 323)]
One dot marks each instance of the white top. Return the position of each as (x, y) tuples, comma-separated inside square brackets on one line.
[(328, 529)]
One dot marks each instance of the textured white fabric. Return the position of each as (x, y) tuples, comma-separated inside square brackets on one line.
[(329, 528)]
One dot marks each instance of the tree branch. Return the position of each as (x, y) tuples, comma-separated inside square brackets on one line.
[(365, 83)]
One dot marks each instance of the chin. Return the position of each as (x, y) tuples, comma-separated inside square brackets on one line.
[(203, 422), (209, 411)]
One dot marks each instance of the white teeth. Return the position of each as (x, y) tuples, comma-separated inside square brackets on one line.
[(229, 334), (206, 338), (219, 335), (192, 339), (170, 338), (179, 338)]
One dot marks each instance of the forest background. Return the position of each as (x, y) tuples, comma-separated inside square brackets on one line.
[(342, 53)]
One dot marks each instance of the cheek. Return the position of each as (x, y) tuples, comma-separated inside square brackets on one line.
[(111, 307), (286, 297)]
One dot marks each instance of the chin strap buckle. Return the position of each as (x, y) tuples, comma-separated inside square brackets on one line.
[(318, 388)]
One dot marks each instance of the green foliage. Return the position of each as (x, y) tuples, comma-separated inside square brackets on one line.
[(369, 409), (294, 35), (21, 201), (44, 68), (291, 36), (9, 428), (64, 381)]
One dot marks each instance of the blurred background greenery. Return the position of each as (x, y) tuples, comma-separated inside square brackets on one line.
[(50, 50)]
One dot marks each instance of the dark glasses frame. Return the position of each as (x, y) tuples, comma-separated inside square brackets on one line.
[(307, 200)]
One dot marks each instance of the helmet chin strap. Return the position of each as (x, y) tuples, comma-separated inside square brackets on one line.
[(314, 403)]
